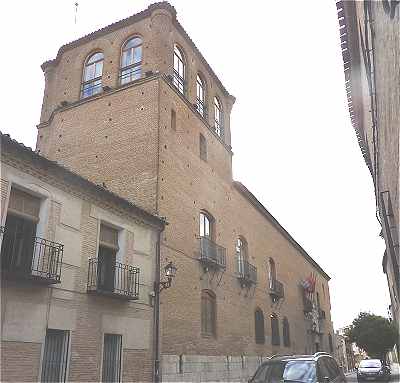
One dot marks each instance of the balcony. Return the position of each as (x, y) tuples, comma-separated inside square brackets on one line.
[(307, 304), (276, 290), (246, 273), (118, 281), (31, 258), (211, 254), (321, 314)]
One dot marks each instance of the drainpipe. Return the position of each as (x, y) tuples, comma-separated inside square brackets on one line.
[(156, 326)]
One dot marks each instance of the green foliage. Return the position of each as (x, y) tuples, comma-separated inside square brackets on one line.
[(374, 334)]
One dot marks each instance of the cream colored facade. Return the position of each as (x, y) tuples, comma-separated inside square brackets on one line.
[(71, 212)]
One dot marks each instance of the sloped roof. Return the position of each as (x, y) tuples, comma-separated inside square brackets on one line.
[(260, 207)]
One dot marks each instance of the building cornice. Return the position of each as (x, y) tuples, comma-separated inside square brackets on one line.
[(23, 153), (349, 42), (129, 21), (260, 207)]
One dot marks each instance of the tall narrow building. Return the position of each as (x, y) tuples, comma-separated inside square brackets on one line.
[(370, 40), (135, 107)]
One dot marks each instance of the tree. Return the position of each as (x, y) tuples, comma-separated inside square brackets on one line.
[(374, 334)]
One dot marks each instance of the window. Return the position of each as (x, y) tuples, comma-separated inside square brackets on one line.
[(275, 339), (131, 60), (208, 313), (20, 230), (272, 273), (241, 254), (173, 119), (200, 95), (179, 69), (203, 148), (286, 332), (55, 356), (112, 358), (259, 326), (108, 248), (286, 371), (330, 343), (206, 225), (218, 123), (92, 73)]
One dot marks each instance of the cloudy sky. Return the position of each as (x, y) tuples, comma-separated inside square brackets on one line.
[(293, 143)]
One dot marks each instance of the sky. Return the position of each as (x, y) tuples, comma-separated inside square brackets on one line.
[(293, 144)]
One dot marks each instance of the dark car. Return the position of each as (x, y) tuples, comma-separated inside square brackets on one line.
[(317, 368), (372, 369)]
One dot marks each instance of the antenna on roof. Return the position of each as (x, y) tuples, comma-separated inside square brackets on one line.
[(76, 11)]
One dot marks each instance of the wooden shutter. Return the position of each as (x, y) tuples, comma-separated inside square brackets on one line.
[(108, 237), (24, 204)]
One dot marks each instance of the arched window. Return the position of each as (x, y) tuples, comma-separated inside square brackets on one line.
[(275, 339), (92, 72), (218, 121), (203, 147), (259, 326), (272, 273), (330, 343), (179, 69), (208, 313), (241, 255), (286, 332), (200, 95), (206, 225), (131, 60)]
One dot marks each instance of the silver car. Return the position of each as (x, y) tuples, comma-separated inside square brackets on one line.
[(372, 369)]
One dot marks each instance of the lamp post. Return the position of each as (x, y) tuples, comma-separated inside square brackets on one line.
[(169, 272)]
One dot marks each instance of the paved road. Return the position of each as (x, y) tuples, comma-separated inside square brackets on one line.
[(395, 377)]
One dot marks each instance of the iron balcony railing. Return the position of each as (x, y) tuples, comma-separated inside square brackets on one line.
[(36, 258), (119, 280), (321, 314), (307, 304), (246, 272), (130, 73), (276, 289), (178, 82), (212, 254)]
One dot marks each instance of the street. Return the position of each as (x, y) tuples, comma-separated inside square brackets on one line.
[(395, 376)]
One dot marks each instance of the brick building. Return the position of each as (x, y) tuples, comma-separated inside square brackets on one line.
[(370, 39), (78, 267), (136, 107)]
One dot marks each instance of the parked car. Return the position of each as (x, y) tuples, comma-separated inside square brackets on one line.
[(317, 368), (372, 369)]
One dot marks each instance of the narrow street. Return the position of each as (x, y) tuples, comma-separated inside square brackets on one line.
[(395, 376)]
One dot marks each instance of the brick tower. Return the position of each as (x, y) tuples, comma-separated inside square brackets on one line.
[(136, 107)]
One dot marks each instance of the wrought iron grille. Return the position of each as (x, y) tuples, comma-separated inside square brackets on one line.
[(33, 257), (91, 87), (246, 272), (211, 253), (276, 289), (179, 82), (321, 314), (119, 280), (307, 303), (130, 73)]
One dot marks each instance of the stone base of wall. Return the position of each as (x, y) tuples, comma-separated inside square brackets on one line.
[(200, 368)]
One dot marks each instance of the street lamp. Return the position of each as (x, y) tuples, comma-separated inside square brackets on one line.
[(170, 272)]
